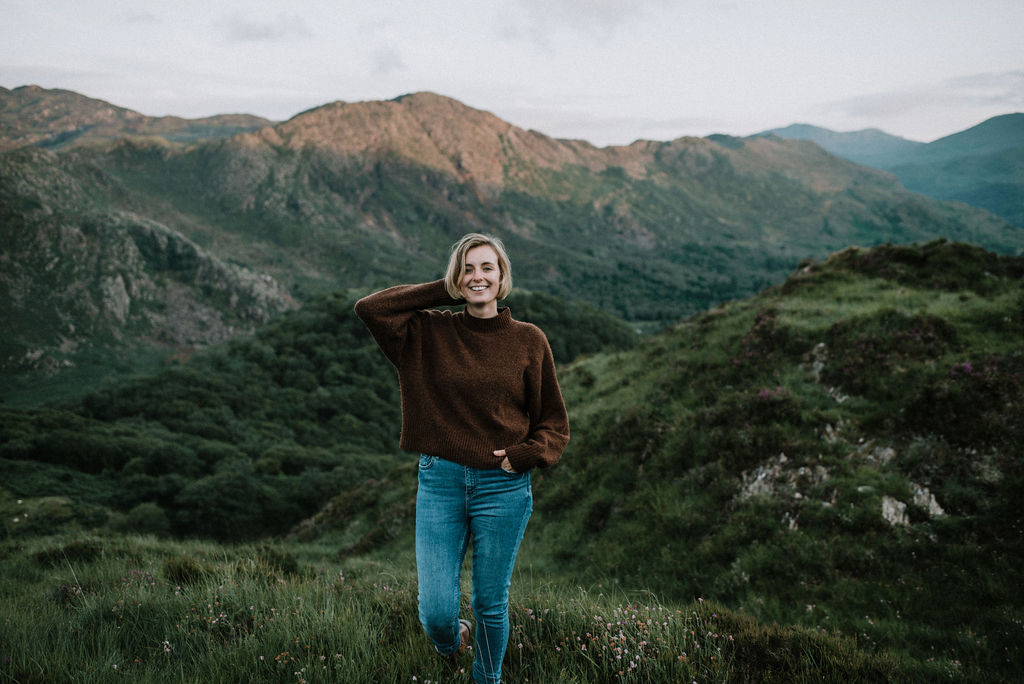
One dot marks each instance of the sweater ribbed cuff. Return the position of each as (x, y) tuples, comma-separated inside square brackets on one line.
[(523, 457)]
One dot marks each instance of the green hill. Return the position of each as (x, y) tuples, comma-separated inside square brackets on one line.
[(841, 452)]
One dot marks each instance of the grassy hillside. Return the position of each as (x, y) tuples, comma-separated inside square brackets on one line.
[(750, 455), (89, 609), (834, 465)]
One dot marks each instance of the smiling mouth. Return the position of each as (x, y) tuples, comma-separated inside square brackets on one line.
[(478, 288)]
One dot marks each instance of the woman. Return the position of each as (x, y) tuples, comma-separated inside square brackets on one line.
[(482, 407)]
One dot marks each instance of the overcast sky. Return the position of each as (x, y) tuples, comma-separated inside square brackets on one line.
[(607, 71)]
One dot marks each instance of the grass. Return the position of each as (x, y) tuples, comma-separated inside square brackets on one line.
[(82, 608)]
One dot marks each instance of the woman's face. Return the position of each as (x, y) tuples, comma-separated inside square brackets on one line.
[(481, 278)]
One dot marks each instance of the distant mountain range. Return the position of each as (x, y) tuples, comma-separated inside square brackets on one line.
[(983, 165), (111, 222), (54, 119)]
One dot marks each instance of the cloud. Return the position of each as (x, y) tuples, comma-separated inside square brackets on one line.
[(539, 20), (1004, 88), (928, 110), (141, 17), (1001, 90), (241, 28), (386, 60)]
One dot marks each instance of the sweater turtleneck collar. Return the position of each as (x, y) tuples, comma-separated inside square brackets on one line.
[(503, 321)]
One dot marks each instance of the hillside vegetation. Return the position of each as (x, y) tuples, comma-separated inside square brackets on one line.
[(92, 609), (834, 464), (819, 483), (242, 441), (842, 453)]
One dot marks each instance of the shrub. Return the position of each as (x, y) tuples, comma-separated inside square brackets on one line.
[(230, 505), (184, 570), (977, 404), (147, 518), (78, 551), (865, 350), (745, 427)]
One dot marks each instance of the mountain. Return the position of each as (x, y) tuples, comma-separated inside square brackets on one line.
[(982, 166), (31, 115), (361, 195), (993, 136), (871, 146)]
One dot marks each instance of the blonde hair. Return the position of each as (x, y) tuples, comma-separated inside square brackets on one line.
[(457, 264)]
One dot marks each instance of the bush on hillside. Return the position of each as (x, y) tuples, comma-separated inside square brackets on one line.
[(977, 404), (937, 265), (864, 351)]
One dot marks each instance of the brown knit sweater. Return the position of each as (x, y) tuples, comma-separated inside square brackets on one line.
[(469, 385)]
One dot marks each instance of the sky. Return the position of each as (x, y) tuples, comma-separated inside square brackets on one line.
[(606, 71)]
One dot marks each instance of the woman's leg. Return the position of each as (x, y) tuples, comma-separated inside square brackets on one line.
[(442, 533), (499, 510)]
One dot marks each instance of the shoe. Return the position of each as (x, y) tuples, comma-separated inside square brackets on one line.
[(465, 629), (455, 657)]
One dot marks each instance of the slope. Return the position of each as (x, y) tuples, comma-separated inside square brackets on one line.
[(983, 166), (841, 452), (80, 278)]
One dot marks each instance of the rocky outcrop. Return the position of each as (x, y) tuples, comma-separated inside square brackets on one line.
[(112, 279), (895, 512)]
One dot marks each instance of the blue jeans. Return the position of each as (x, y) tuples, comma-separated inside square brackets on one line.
[(456, 503)]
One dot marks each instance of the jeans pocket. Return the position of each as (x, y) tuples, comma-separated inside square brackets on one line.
[(427, 462)]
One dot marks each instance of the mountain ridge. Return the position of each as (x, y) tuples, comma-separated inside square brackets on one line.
[(870, 146), (56, 118), (982, 165)]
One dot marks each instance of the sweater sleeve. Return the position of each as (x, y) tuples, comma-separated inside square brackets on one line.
[(549, 422), (390, 313)]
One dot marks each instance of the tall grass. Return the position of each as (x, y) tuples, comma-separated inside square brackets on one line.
[(86, 609)]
